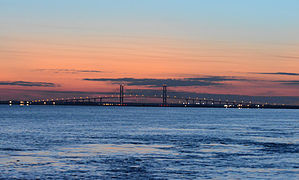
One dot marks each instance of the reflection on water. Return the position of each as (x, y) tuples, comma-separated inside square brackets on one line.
[(109, 149), (148, 143), (26, 160)]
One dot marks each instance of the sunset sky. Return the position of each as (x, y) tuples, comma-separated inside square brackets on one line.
[(248, 47)]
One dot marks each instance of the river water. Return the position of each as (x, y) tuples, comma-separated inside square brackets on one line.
[(76, 142)]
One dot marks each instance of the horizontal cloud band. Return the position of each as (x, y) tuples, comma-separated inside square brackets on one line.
[(289, 82), (281, 73), (203, 81), (26, 83)]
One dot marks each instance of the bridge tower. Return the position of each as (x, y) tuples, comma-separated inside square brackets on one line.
[(121, 94), (164, 95)]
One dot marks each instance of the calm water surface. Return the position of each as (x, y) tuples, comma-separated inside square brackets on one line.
[(65, 142)]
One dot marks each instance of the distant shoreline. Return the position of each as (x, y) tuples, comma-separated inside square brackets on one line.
[(252, 106)]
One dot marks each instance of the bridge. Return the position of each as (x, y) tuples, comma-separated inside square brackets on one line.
[(157, 100)]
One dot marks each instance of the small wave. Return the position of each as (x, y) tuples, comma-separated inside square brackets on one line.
[(281, 147), (11, 149)]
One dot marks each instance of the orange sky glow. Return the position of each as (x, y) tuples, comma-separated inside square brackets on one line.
[(65, 56)]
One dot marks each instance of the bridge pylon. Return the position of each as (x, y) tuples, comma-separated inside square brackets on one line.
[(164, 95), (121, 94)]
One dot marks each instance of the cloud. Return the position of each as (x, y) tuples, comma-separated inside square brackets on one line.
[(217, 79), (26, 83), (156, 82), (296, 83), (51, 92), (202, 81), (281, 73), (72, 71)]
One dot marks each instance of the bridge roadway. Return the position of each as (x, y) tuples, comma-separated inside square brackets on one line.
[(113, 100), (141, 100), (262, 106)]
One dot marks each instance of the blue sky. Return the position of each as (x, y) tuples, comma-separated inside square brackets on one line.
[(272, 19)]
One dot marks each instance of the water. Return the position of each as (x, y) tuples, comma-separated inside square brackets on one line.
[(65, 142)]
